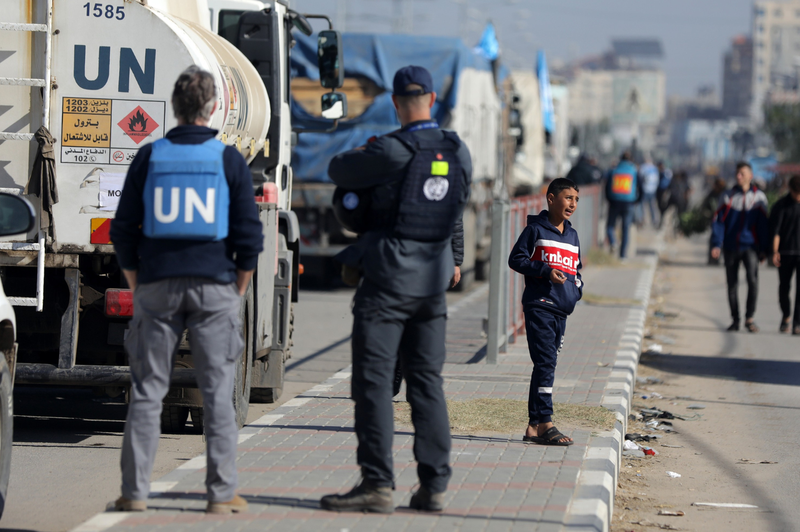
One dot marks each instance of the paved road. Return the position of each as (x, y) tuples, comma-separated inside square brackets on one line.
[(65, 464), (748, 384)]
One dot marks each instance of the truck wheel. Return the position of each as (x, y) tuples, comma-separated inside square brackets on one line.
[(244, 367), (173, 419), (6, 430)]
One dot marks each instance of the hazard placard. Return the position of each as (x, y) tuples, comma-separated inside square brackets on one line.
[(135, 123), (86, 123), (100, 231)]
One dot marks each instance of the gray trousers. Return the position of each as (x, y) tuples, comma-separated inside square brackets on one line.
[(162, 311)]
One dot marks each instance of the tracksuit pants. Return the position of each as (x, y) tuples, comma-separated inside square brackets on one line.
[(749, 258), (387, 325), (545, 332), (162, 311), (789, 265)]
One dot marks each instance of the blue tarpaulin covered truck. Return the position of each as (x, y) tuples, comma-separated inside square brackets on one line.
[(467, 102)]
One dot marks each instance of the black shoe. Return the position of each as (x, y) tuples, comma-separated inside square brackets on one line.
[(426, 501), (734, 326), (363, 498), (784, 327)]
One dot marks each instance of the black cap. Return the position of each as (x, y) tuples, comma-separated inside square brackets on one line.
[(412, 75)]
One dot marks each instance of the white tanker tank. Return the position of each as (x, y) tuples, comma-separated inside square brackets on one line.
[(113, 69)]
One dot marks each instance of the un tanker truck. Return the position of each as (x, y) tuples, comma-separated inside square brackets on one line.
[(467, 103), (91, 82)]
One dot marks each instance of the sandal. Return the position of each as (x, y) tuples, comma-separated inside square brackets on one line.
[(751, 326), (784, 327), (550, 437)]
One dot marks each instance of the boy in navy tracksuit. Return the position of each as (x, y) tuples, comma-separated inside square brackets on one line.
[(548, 255)]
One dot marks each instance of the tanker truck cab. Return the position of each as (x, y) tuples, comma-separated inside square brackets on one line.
[(97, 87)]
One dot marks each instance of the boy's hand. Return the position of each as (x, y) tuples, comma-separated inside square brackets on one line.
[(557, 277), (715, 252)]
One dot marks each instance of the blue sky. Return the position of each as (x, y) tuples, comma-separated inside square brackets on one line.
[(694, 33)]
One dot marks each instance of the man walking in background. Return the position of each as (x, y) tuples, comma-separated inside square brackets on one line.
[(785, 220), (740, 230), (650, 182), (623, 191)]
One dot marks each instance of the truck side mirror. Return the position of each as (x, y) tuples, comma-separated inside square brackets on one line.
[(330, 57), (334, 105), (16, 214)]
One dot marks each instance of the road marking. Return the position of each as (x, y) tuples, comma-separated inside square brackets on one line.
[(161, 487), (101, 522), (198, 462)]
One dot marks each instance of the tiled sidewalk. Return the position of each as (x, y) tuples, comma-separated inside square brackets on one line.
[(306, 448)]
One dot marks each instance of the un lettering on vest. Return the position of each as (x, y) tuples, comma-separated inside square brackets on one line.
[(192, 203), (557, 255)]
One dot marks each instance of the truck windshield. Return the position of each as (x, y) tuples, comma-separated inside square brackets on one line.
[(229, 24)]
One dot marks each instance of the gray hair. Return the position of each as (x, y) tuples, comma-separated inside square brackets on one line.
[(194, 95)]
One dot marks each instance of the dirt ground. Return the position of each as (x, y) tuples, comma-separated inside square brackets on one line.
[(717, 458)]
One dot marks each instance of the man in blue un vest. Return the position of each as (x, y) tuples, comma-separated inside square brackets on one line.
[(187, 236), (623, 191)]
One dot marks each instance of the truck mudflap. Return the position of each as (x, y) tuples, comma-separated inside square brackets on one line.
[(270, 362)]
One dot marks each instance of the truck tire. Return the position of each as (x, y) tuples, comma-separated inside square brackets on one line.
[(244, 366), (6, 430), (173, 419)]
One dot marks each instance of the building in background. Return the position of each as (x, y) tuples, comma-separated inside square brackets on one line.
[(737, 78), (617, 98), (776, 53)]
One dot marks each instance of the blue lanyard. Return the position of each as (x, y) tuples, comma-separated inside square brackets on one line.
[(424, 125)]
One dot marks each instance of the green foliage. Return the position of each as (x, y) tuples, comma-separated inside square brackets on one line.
[(782, 122)]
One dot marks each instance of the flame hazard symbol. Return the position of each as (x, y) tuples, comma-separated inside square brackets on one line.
[(138, 125)]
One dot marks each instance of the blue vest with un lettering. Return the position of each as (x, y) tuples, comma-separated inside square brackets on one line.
[(186, 193), (624, 184)]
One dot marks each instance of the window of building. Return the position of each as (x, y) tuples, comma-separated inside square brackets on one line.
[(761, 28), (777, 13), (760, 12)]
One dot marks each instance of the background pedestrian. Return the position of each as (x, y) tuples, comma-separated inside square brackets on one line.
[(785, 222)]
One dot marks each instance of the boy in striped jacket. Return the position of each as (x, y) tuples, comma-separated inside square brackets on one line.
[(548, 255)]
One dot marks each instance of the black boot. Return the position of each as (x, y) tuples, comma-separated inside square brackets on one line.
[(426, 501), (363, 498)]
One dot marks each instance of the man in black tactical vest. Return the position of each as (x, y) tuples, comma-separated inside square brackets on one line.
[(420, 176)]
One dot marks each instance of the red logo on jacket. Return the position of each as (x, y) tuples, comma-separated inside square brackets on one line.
[(557, 255)]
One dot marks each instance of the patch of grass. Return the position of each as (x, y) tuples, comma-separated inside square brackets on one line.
[(508, 416), (596, 299), (600, 257)]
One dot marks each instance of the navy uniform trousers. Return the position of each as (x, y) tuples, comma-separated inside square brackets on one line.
[(387, 325), (545, 332)]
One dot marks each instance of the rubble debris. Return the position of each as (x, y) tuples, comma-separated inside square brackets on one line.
[(673, 474), (756, 462), (671, 512)]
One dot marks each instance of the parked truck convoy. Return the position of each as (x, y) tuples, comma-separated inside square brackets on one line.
[(98, 77), (468, 102)]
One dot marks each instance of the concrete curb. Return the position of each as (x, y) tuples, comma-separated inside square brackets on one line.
[(593, 505)]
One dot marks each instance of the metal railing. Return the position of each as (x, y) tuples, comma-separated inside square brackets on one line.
[(509, 218)]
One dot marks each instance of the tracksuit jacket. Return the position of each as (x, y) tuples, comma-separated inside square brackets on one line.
[(741, 221), (540, 249)]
